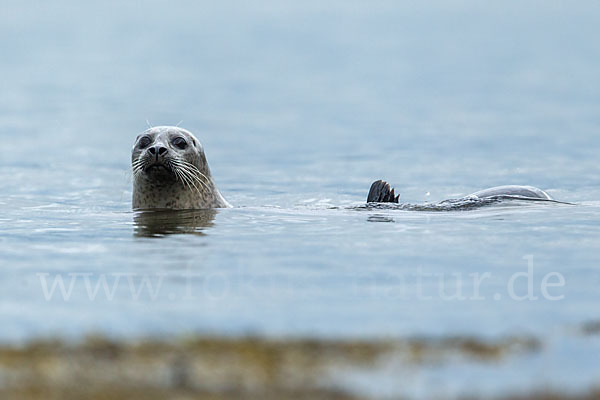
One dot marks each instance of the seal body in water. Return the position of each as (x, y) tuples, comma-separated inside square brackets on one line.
[(382, 192), (170, 171)]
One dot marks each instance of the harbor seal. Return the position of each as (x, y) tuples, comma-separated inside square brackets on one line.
[(382, 192), (170, 171)]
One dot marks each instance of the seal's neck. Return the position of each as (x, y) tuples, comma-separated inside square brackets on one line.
[(173, 194)]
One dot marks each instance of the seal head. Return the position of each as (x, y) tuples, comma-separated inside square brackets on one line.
[(170, 171)]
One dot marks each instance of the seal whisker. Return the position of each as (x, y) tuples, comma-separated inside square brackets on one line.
[(139, 161), (200, 181), (189, 182), (137, 166), (190, 175), (177, 173), (195, 169), (182, 173), (183, 179), (192, 171)]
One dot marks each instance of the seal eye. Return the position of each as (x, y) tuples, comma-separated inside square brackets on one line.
[(144, 142), (180, 143)]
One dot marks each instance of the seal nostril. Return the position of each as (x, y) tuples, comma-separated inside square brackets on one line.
[(157, 150)]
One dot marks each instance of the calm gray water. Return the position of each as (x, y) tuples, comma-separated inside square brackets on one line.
[(300, 106)]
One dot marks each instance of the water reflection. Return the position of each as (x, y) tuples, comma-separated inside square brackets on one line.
[(157, 223), (380, 218)]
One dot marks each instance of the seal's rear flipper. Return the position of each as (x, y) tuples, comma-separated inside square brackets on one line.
[(381, 192)]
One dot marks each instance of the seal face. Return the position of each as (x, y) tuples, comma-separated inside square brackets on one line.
[(170, 172)]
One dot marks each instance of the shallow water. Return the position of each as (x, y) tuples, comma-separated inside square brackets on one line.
[(300, 106)]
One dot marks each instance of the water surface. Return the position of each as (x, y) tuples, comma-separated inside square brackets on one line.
[(300, 106)]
